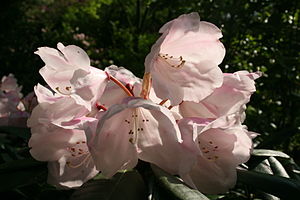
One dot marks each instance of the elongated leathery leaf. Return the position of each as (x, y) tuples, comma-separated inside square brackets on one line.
[(277, 167), (268, 152), (177, 187), (123, 185), (279, 186)]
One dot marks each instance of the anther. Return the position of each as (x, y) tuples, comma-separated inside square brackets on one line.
[(68, 88)]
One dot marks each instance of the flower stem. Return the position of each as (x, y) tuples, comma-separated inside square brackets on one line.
[(147, 81)]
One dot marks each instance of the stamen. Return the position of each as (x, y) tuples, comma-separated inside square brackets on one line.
[(146, 86), (130, 88), (68, 88), (163, 101), (71, 165), (101, 107), (121, 86), (172, 61)]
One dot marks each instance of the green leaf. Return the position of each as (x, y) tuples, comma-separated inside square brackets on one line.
[(279, 186), (263, 166), (16, 165), (268, 152), (277, 167), (15, 179), (176, 187), (124, 185), (23, 133), (269, 166), (19, 173)]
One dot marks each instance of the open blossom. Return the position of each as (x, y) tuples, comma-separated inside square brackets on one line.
[(144, 131), (183, 63), (56, 138), (230, 98), (68, 72), (69, 161), (218, 148), (12, 109)]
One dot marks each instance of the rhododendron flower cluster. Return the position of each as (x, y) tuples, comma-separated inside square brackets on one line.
[(185, 116), (14, 109)]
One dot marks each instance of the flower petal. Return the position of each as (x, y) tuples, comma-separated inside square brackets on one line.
[(111, 148)]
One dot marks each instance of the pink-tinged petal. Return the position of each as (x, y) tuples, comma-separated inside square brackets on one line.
[(88, 87), (210, 178), (243, 146), (75, 56), (230, 98), (214, 172), (77, 123), (184, 61), (189, 83), (30, 101), (69, 73), (201, 39), (51, 143), (59, 81), (123, 75), (110, 147), (53, 59), (219, 148), (9, 83), (43, 94), (179, 25), (193, 109), (70, 163), (158, 141), (112, 94), (189, 133), (63, 110), (63, 176), (145, 130)]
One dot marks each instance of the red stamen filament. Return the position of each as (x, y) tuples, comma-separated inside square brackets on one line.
[(163, 101), (120, 85), (101, 107)]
